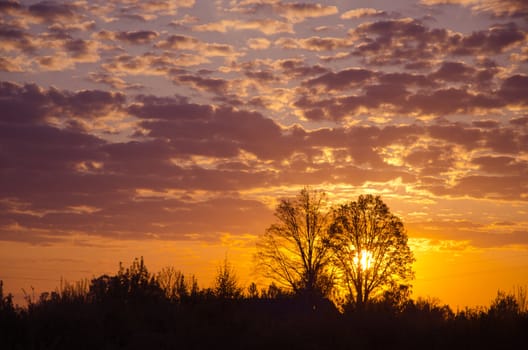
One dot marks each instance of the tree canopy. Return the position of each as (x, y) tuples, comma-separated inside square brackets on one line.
[(295, 251), (371, 250), (359, 247)]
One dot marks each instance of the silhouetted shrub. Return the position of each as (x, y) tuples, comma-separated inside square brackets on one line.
[(504, 306), (131, 285)]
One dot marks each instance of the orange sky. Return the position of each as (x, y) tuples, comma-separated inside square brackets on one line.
[(456, 272), (170, 129)]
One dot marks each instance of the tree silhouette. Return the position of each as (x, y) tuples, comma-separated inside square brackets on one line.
[(226, 282), (295, 251), (370, 249), (253, 292), (504, 305), (174, 284), (6, 302), (129, 315), (134, 284)]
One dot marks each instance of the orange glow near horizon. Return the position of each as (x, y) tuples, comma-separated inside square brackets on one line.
[(459, 272), (458, 280)]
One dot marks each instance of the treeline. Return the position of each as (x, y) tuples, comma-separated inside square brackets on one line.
[(137, 309)]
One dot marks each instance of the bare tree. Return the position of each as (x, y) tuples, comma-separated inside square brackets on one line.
[(521, 296), (174, 283), (295, 251), (370, 249), (504, 306)]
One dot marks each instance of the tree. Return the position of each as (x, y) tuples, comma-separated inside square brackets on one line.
[(226, 282), (295, 251), (133, 284), (253, 292), (521, 297), (6, 302), (370, 249), (504, 306), (174, 284)]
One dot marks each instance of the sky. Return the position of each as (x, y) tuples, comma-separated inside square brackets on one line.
[(171, 129)]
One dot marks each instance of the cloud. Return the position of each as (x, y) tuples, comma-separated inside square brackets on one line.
[(215, 85), (341, 80), (450, 101), (146, 10), (502, 9), (10, 7), (189, 43), (258, 43), (167, 6), (454, 71), (51, 11), (486, 124), (515, 89), (337, 95), (82, 50), (298, 12), (31, 104), (497, 8), (223, 131), (175, 219), (112, 81), (293, 12), (50, 50), (17, 40), (432, 160), (182, 23), (139, 37), (11, 64), (406, 41), (466, 233), (400, 106), (502, 165), (265, 26), (523, 121), (314, 43), (491, 187), (150, 63), (496, 39), (153, 184), (407, 80), (70, 163), (362, 12), (297, 68)]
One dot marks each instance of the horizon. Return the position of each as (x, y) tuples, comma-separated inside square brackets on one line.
[(171, 129)]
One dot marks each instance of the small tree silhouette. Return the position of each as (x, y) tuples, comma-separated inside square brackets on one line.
[(173, 284), (521, 296), (6, 301), (253, 292), (504, 306), (226, 282)]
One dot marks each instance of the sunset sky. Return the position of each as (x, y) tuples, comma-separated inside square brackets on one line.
[(170, 129)]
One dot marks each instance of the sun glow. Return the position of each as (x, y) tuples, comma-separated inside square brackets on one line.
[(363, 259)]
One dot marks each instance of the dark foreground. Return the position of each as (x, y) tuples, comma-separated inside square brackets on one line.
[(252, 324), (138, 310)]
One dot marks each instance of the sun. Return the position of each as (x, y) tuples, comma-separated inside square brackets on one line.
[(363, 259)]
